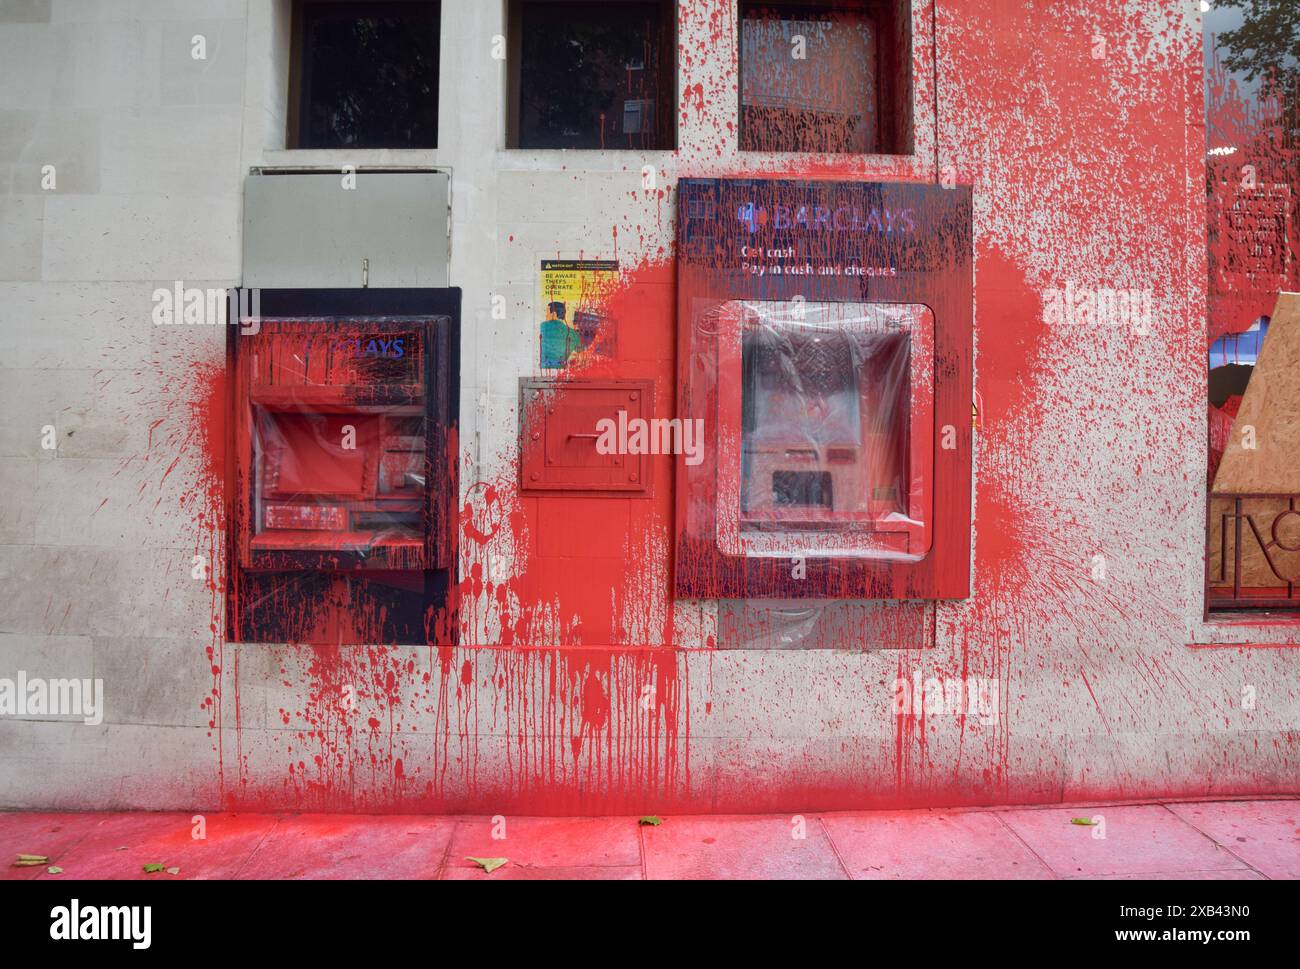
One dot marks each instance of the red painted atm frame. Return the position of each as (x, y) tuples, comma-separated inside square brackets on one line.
[(914, 242)]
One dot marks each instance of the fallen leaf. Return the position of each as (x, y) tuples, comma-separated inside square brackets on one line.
[(54, 870), (173, 871), (31, 861), (1088, 821), (653, 820), (153, 868), (488, 864)]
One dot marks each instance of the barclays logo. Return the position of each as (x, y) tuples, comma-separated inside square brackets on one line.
[(845, 218), (373, 347)]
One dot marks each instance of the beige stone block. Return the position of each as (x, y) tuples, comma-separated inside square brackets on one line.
[(22, 227), (132, 237), (215, 78)]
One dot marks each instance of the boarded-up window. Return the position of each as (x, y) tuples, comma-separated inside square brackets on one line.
[(1254, 503)]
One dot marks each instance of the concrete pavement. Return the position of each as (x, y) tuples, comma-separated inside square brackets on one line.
[(1228, 839)]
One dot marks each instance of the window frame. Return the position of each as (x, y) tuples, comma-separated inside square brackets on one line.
[(891, 20), (300, 74), (669, 81)]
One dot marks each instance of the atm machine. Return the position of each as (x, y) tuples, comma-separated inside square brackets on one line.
[(343, 519), (824, 336)]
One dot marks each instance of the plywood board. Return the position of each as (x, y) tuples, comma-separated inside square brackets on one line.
[(1271, 407)]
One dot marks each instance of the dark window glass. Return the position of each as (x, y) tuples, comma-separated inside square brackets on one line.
[(596, 75), (813, 77), (368, 75), (808, 489)]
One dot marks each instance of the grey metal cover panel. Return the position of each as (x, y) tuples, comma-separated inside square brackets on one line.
[(306, 231)]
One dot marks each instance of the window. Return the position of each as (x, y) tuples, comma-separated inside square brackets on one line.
[(1254, 501), (593, 74), (829, 77), (365, 75), (1253, 505)]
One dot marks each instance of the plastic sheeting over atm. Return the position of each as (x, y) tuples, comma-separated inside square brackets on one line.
[(824, 418), (335, 413)]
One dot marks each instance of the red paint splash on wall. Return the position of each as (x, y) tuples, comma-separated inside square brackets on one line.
[(568, 694), (195, 435)]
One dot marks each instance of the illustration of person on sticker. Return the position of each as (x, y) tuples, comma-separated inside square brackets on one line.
[(560, 339)]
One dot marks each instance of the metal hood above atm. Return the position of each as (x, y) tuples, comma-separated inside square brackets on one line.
[(325, 230)]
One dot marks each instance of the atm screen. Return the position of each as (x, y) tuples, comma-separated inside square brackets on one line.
[(825, 423), (317, 475)]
